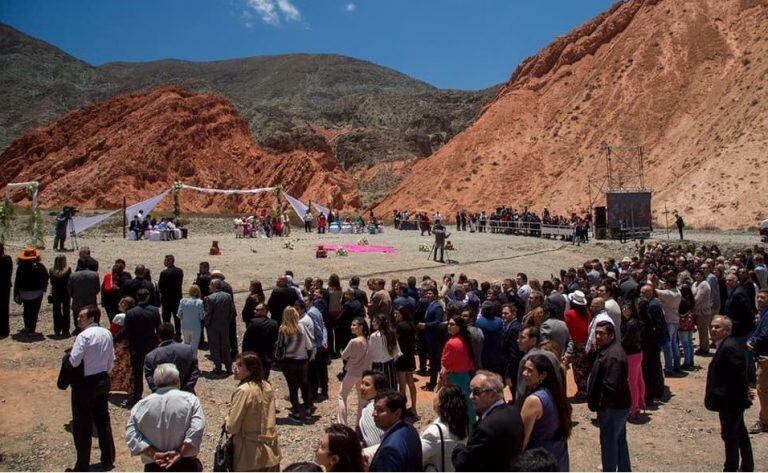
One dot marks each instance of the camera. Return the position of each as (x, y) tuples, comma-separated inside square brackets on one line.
[(69, 212)]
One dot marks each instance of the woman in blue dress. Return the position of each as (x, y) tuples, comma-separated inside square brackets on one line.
[(546, 412)]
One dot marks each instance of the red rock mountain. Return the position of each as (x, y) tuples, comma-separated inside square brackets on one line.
[(685, 79), (137, 145)]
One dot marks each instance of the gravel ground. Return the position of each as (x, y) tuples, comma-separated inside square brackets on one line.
[(34, 415)]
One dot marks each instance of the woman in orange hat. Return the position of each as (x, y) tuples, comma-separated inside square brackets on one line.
[(30, 287)]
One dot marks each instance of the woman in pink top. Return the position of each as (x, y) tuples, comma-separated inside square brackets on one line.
[(356, 360)]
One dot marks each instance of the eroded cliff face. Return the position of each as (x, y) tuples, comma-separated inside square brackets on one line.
[(137, 145), (686, 79)]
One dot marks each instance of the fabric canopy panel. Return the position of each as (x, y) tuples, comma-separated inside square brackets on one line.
[(298, 206), (15, 185), (228, 191), (147, 206), (81, 224), (320, 208)]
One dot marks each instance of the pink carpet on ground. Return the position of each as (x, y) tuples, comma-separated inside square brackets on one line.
[(363, 248)]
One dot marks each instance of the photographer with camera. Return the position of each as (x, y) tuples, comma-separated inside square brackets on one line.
[(63, 225), (440, 235)]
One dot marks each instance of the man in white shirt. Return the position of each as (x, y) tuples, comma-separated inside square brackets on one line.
[(94, 353), (166, 427), (523, 289)]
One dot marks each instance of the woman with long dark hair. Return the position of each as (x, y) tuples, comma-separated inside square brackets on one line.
[(339, 449), (59, 276), (255, 297), (546, 412), (456, 361), (251, 418), (335, 299), (405, 364), (384, 349), (357, 359), (451, 428), (631, 337)]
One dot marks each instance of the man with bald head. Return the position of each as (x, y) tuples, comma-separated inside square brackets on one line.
[(727, 394), (282, 296), (497, 439), (599, 315), (219, 313)]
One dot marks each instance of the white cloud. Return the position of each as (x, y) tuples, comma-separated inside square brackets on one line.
[(350, 7), (271, 12), (290, 12)]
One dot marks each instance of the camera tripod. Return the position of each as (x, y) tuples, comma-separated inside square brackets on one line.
[(446, 254), (72, 234)]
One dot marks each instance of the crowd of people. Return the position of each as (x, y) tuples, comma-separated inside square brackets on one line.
[(497, 353), (501, 220)]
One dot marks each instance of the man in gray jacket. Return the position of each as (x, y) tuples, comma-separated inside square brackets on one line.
[(83, 288), (219, 312)]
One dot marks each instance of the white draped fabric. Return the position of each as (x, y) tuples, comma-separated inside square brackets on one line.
[(147, 206), (228, 191), (322, 209), (298, 206), (15, 185), (81, 224)]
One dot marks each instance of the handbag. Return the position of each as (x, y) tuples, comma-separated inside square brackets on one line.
[(431, 466), (278, 353), (224, 456)]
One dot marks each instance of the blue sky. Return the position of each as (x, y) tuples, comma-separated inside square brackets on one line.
[(461, 44)]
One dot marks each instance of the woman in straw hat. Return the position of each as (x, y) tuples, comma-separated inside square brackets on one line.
[(30, 286)]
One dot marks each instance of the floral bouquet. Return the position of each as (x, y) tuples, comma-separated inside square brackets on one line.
[(289, 245), (424, 248), (363, 241), (342, 252)]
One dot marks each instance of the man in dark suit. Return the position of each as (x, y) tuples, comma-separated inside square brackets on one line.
[(740, 308), (728, 394), (169, 351), (432, 335), (360, 295), (400, 448), (131, 287), (141, 323), (260, 337), (85, 260), (497, 439), (282, 297), (169, 285), (350, 309)]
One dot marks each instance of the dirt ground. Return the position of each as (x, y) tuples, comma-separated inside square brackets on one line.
[(679, 435)]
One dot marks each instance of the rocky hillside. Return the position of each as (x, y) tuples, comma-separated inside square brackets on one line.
[(137, 145), (685, 79), (290, 102)]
